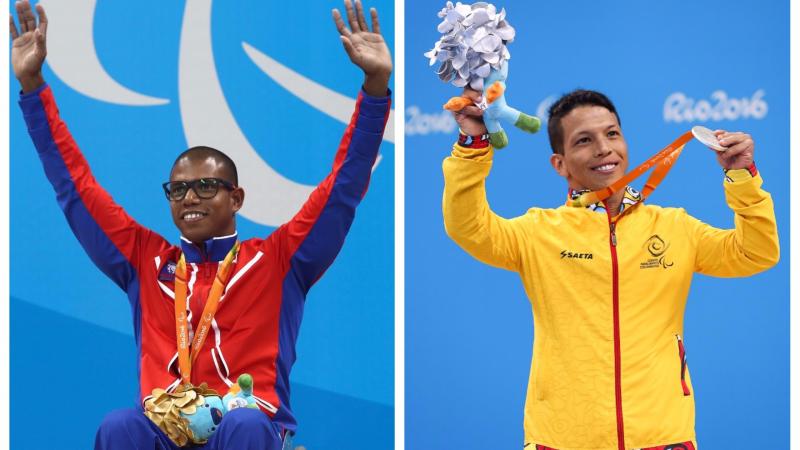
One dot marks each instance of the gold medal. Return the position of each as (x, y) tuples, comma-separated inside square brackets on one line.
[(164, 409)]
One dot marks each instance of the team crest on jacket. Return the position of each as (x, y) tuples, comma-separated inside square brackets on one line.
[(657, 248), (167, 272)]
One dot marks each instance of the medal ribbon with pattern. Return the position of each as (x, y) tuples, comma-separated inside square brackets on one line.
[(663, 160), (185, 359)]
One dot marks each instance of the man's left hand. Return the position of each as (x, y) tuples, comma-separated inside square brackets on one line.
[(739, 149), (366, 49)]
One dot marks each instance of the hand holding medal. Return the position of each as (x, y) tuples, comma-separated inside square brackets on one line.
[(735, 149)]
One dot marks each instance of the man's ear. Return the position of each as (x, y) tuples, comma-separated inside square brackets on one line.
[(237, 198), (557, 161)]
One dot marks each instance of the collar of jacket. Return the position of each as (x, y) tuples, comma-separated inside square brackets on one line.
[(214, 249), (631, 197)]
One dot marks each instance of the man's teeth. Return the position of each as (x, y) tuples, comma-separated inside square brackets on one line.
[(606, 167), (192, 216)]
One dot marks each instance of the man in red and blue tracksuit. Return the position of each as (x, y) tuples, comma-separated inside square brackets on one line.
[(255, 326)]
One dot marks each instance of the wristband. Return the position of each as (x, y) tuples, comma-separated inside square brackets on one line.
[(466, 141)]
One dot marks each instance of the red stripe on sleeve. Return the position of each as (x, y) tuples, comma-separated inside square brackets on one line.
[(130, 238)]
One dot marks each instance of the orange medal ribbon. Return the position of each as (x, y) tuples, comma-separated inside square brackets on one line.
[(185, 360), (663, 160)]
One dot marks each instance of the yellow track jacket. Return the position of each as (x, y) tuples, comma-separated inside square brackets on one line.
[(608, 369)]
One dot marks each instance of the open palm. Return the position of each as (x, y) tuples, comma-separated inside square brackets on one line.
[(28, 48), (369, 52), (366, 48)]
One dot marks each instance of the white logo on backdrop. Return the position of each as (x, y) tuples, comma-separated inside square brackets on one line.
[(421, 123), (72, 56), (418, 122), (206, 116), (544, 106), (680, 108)]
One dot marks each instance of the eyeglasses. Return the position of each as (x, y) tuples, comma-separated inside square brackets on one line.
[(204, 188)]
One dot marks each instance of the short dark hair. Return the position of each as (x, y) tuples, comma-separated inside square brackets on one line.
[(201, 151), (563, 106)]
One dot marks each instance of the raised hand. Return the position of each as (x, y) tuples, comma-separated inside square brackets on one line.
[(739, 149), (28, 49), (366, 49), (470, 119)]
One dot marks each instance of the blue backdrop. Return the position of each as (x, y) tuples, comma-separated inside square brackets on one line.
[(667, 66), (117, 75)]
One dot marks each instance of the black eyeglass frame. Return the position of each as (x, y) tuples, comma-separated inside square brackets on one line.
[(192, 184)]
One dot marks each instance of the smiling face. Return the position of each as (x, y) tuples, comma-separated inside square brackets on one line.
[(201, 219), (595, 152)]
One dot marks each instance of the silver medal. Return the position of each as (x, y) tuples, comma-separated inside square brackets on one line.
[(707, 138)]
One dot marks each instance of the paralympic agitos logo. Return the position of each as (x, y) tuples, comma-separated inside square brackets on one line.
[(657, 248)]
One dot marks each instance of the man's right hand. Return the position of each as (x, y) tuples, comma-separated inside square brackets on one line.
[(470, 119), (28, 49)]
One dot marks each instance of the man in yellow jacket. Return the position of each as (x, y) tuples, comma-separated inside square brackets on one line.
[(608, 283)]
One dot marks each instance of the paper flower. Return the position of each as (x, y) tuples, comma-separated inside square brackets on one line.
[(473, 42)]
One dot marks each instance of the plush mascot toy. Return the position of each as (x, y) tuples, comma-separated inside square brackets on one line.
[(190, 414), (473, 52)]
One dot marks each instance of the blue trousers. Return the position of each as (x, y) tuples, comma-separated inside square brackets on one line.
[(240, 429)]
